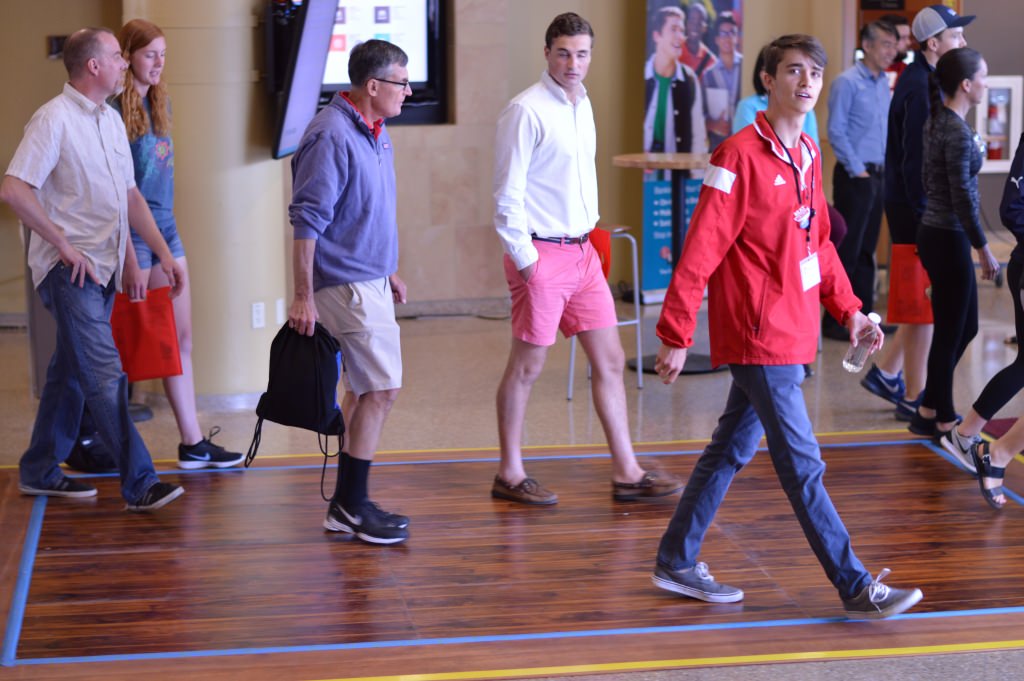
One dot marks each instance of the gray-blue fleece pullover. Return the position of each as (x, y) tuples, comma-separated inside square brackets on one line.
[(343, 195)]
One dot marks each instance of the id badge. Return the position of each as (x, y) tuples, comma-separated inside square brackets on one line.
[(810, 272)]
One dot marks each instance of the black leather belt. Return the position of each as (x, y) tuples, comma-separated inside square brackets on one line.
[(562, 240), (874, 168)]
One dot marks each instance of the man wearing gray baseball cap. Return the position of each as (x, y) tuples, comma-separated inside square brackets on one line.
[(938, 29), (933, 20)]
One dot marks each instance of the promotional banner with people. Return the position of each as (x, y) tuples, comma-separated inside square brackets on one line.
[(691, 88)]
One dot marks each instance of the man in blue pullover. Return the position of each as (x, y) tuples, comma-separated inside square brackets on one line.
[(345, 259)]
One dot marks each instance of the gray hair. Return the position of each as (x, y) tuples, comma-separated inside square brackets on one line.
[(372, 59)]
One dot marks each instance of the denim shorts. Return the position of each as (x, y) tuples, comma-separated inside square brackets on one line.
[(147, 259)]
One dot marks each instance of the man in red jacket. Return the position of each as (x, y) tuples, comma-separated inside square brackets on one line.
[(759, 242)]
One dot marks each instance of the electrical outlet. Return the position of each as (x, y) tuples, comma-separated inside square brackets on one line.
[(282, 313), (259, 315)]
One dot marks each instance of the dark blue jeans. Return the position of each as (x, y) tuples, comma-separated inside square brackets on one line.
[(85, 370), (765, 400), (860, 201)]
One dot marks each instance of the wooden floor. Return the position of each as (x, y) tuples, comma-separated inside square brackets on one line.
[(237, 576)]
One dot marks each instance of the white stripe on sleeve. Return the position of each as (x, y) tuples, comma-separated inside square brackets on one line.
[(719, 178)]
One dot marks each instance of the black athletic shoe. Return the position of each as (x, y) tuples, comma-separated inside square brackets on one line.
[(65, 487), (157, 496), (334, 511), (205, 454), (368, 522)]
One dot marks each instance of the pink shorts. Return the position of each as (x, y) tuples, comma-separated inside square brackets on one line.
[(566, 291)]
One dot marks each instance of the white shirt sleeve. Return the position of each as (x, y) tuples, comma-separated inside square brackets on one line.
[(516, 139)]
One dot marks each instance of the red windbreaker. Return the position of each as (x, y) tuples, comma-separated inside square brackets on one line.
[(745, 244)]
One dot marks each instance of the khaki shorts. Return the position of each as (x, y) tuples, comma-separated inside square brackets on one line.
[(361, 316)]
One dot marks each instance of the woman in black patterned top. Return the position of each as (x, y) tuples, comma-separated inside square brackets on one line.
[(949, 229)]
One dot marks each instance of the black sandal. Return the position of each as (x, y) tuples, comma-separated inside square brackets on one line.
[(983, 463)]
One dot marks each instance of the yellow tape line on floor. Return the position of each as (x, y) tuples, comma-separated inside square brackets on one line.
[(695, 662)]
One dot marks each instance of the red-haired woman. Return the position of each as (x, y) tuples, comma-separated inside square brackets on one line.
[(146, 111)]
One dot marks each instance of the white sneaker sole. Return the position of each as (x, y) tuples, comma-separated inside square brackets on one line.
[(39, 492), (380, 540), (669, 585), (338, 526), (194, 465)]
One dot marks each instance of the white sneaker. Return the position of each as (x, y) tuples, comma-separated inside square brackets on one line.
[(951, 443)]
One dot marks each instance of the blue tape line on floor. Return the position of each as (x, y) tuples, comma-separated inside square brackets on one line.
[(489, 459), (499, 638), (20, 596)]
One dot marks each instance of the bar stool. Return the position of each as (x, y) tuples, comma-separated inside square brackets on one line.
[(601, 238)]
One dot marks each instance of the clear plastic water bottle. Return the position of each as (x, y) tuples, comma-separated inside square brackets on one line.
[(857, 354)]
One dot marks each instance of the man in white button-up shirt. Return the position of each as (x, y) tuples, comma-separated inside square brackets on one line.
[(545, 190), (71, 182)]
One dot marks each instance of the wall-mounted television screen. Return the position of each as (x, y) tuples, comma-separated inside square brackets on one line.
[(309, 42), (403, 23)]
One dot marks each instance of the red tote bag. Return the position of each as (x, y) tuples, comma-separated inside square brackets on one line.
[(908, 287), (146, 336)]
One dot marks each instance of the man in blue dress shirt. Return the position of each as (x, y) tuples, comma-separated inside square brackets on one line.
[(858, 110)]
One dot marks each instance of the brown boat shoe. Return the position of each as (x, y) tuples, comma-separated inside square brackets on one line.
[(653, 484), (529, 491)]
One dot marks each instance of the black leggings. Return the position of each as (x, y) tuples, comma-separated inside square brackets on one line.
[(1008, 382), (946, 255)]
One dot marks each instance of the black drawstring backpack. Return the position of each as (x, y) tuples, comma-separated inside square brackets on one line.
[(302, 389)]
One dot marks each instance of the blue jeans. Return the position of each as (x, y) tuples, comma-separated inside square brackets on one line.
[(85, 369), (765, 400), (860, 201)]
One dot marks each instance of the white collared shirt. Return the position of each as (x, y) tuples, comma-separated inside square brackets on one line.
[(545, 171), (75, 154)]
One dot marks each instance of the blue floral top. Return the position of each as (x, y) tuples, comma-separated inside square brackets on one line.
[(153, 157)]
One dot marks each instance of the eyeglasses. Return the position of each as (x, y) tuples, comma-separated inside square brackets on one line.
[(729, 33), (400, 83)]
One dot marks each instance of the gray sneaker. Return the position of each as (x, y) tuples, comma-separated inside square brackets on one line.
[(952, 443), (877, 601), (696, 582)]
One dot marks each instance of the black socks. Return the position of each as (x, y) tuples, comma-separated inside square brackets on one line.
[(353, 475)]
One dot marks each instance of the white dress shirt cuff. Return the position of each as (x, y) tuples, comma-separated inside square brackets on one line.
[(524, 256)]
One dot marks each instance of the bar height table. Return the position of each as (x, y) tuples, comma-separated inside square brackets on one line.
[(676, 164)]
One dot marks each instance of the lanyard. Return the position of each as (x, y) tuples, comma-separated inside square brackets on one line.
[(806, 225), (796, 176)]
